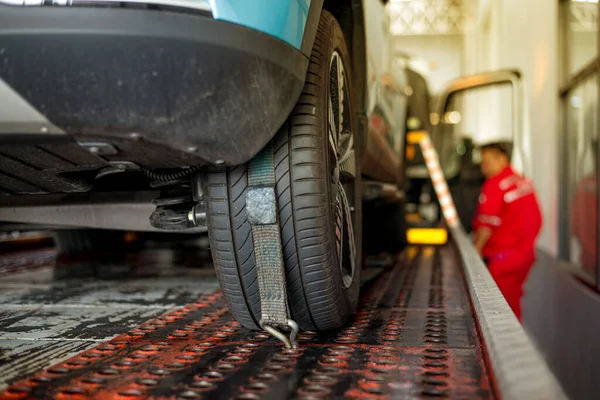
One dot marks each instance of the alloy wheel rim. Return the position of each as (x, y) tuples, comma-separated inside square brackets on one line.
[(343, 168)]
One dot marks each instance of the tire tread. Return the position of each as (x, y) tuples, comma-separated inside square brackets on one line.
[(316, 300)]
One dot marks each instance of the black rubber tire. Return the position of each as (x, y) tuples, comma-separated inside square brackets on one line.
[(317, 297), (81, 242)]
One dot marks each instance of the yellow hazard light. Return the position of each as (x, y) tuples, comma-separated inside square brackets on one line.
[(426, 236), (415, 137)]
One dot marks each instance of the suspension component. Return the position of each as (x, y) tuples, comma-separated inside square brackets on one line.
[(197, 214), (170, 176), (180, 205)]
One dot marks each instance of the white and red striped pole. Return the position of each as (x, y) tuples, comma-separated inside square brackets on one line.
[(439, 182)]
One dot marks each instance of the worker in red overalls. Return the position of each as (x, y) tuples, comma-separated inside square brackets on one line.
[(506, 224)]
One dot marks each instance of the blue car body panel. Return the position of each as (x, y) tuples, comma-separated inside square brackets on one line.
[(284, 19)]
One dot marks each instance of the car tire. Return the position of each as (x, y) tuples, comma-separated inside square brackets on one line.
[(322, 261)]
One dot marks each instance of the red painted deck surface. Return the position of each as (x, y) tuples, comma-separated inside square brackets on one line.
[(413, 336)]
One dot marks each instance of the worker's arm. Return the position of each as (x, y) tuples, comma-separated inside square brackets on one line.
[(482, 235), (488, 215)]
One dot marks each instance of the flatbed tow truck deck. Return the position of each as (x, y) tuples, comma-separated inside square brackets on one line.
[(160, 330)]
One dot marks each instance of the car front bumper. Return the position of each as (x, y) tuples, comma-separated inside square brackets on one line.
[(217, 91)]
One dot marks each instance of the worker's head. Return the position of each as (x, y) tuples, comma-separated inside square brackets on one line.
[(495, 157)]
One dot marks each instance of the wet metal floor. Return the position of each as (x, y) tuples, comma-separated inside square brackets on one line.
[(154, 327)]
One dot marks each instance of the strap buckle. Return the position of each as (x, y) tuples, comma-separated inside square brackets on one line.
[(289, 342)]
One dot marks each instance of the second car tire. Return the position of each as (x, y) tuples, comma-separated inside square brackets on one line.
[(321, 239)]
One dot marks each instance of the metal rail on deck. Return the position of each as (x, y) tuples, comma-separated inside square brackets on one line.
[(519, 369)]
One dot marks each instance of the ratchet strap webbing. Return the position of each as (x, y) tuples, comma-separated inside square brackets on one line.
[(261, 208)]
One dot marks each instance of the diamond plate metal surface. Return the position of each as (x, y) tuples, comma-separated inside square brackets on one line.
[(50, 312), (159, 293), (413, 337), (58, 323), (24, 357)]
